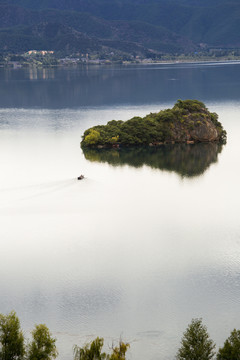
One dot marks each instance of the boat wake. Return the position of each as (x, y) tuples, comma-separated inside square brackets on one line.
[(13, 196)]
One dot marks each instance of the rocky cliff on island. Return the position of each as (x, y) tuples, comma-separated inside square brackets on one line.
[(189, 121)]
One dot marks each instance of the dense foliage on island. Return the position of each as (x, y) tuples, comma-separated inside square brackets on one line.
[(189, 121), (134, 28), (196, 344), (14, 346)]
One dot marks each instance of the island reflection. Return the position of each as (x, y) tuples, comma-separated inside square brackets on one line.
[(184, 159)]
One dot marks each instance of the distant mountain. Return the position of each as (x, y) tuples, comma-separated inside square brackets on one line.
[(139, 26)]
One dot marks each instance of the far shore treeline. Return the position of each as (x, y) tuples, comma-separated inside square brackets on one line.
[(189, 122), (196, 344)]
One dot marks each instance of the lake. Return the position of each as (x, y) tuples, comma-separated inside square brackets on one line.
[(149, 239)]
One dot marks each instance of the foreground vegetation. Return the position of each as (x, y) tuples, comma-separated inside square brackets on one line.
[(187, 122), (195, 344)]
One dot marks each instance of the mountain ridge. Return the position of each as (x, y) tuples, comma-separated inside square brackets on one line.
[(151, 26)]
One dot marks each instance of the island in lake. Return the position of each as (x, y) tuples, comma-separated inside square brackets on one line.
[(189, 121)]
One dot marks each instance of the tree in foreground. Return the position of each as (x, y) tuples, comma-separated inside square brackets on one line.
[(11, 338), (195, 343), (93, 351), (231, 348), (43, 345)]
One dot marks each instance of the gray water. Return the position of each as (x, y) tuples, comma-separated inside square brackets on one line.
[(148, 240)]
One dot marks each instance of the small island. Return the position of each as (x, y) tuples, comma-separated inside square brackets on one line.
[(189, 121)]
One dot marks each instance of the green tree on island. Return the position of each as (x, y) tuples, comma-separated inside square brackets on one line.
[(188, 120), (90, 351), (231, 348), (43, 345), (195, 343), (119, 352), (11, 338), (93, 351), (12, 344)]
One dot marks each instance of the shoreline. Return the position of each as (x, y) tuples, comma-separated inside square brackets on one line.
[(177, 62), (140, 63)]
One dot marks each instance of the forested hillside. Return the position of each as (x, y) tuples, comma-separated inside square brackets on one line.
[(144, 27)]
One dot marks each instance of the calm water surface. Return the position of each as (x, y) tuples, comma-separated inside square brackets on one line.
[(149, 240)]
